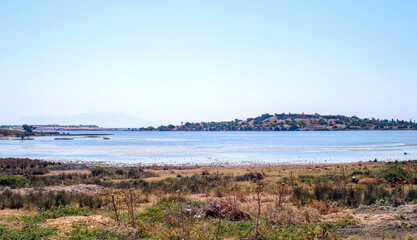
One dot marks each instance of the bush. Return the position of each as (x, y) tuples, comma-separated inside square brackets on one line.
[(373, 193), (28, 229), (411, 195), (194, 184), (10, 200), (12, 181), (139, 173), (327, 192), (394, 174), (98, 170), (302, 195), (26, 232), (20, 166), (252, 176), (67, 210), (156, 213)]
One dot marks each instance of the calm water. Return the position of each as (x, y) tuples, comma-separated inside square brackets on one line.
[(227, 148)]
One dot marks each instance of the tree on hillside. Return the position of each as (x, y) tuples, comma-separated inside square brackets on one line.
[(28, 129)]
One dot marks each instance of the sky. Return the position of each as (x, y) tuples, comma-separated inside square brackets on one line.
[(207, 60)]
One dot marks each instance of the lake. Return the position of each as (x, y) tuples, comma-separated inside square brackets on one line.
[(220, 148)]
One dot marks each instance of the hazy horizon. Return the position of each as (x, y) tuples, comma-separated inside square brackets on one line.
[(101, 119), (117, 120), (194, 60)]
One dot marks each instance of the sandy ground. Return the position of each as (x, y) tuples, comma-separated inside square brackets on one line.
[(94, 220), (54, 172), (88, 189)]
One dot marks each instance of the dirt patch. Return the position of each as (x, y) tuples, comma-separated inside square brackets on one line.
[(88, 189), (94, 220), (59, 172), (375, 221)]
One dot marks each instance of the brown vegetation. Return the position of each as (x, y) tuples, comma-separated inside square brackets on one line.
[(270, 202)]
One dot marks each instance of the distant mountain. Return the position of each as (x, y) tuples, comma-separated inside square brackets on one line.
[(102, 119), (293, 122)]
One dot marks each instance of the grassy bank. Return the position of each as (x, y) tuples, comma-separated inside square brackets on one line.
[(295, 202)]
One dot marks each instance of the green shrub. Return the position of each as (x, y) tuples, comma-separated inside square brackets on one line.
[(327, 192), (68, 210), (98, 170), (155, 213), (411, 195), (82, 231), (124, 232), (29, 229), (372, 193), (302, 195), (252, 176), (325, 178), (139, 173), (27, 232), (394, 173), (306, 178), (12, 181)]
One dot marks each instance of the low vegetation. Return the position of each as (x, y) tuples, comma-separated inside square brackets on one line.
[(24, 166), (271, 202), (27, 132)]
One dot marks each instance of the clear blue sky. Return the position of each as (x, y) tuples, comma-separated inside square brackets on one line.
[(196, 60)]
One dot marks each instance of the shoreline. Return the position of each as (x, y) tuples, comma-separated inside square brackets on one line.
[(74, 165)]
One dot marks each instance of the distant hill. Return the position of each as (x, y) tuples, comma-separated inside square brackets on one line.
[(293, 122), (102, 119)]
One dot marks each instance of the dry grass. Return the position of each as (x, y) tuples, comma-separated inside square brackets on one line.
[(231, 186)]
